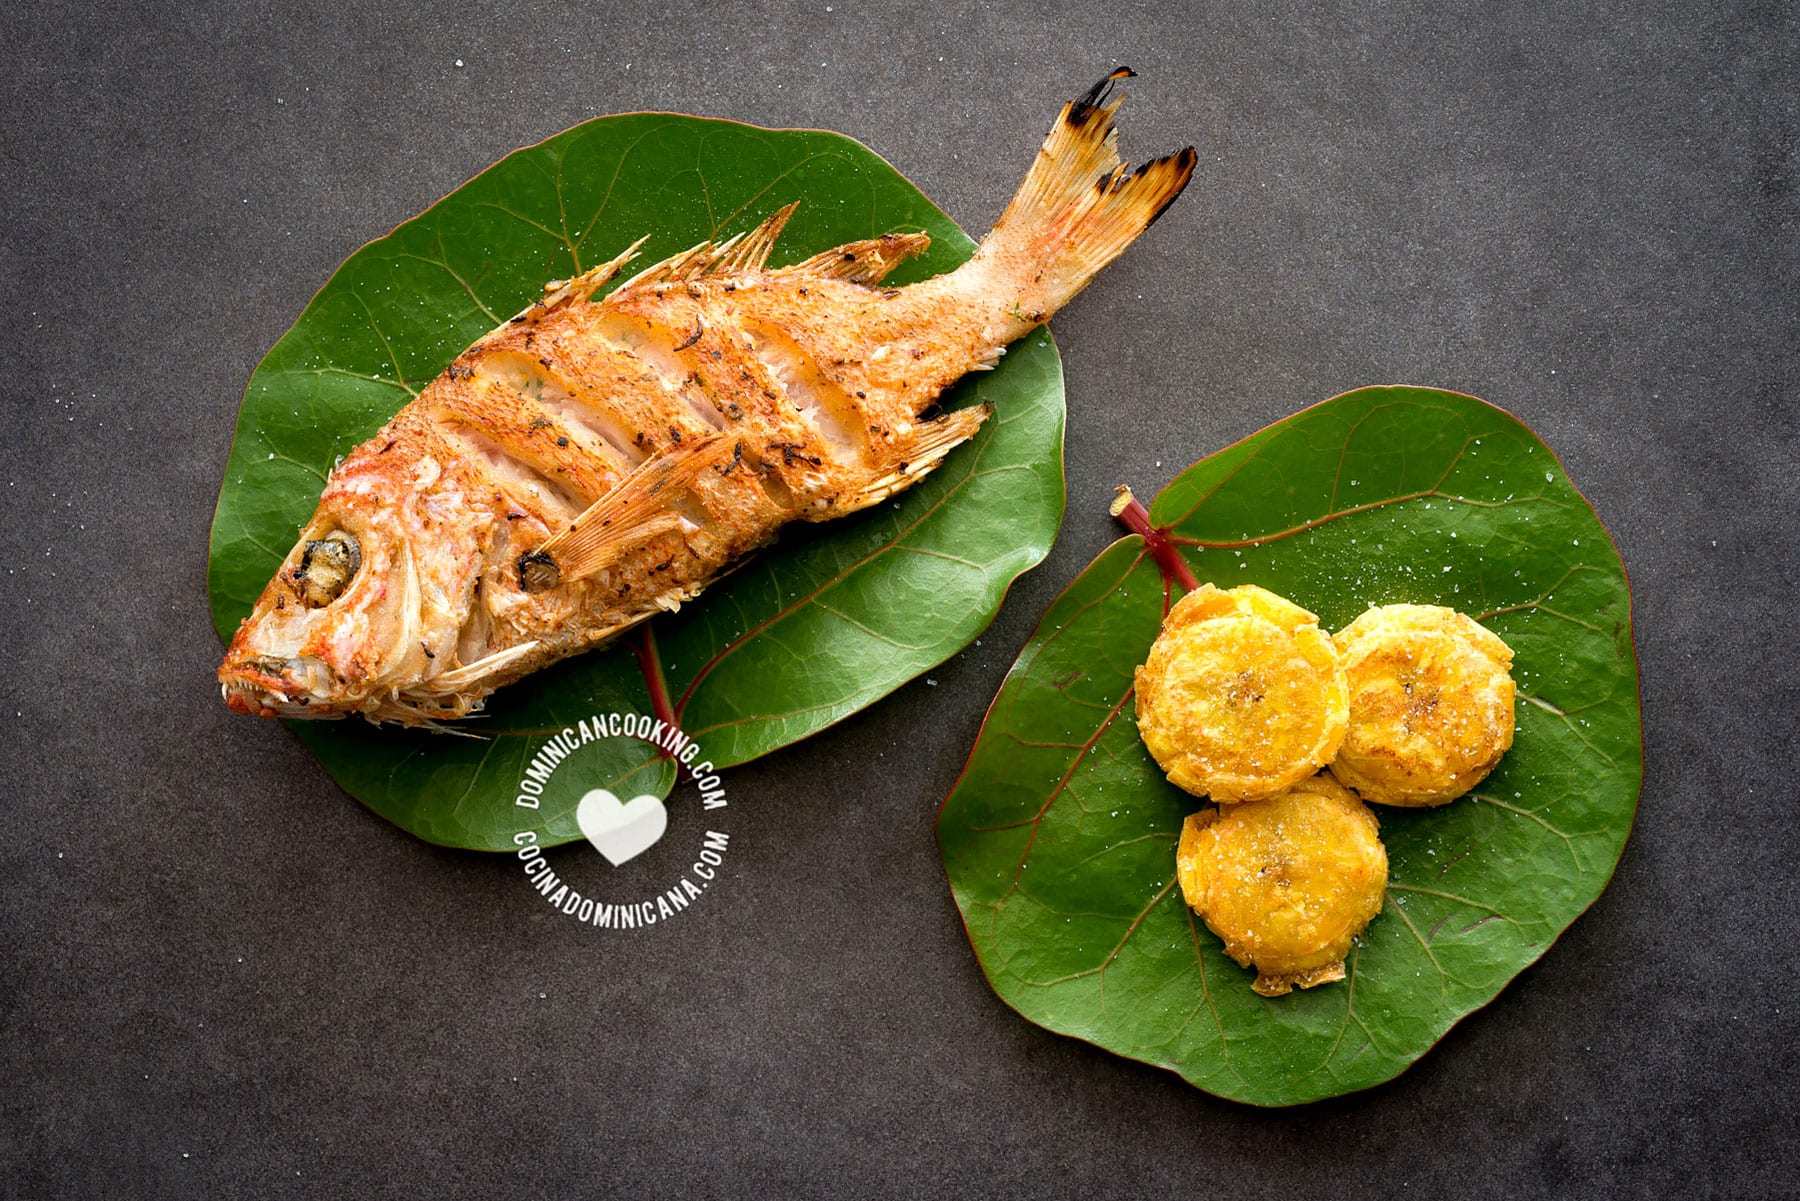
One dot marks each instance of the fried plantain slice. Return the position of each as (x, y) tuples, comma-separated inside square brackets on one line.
[(1287, 882), (1431, 704), (1242, 695)]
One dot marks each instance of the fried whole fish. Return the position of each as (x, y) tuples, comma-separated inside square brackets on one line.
[(588, 465)]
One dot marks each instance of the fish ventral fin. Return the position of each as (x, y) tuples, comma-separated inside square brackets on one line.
[(922, 453), (865, 262), (636, 508), (1079, 207), (459, 678), (741, 254)]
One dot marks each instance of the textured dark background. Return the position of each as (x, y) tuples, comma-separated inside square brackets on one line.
[(219, 976)]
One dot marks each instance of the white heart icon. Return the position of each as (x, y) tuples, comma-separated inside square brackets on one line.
[(621, 830)]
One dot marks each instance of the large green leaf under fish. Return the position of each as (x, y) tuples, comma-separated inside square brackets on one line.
[(1059, 838), (830, 620)]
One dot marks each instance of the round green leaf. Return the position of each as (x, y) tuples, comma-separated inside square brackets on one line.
[(830, 620), (1059, 838)]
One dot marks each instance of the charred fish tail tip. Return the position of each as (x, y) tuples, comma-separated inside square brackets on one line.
[(1079, 206), (1178, 169), (1095, 97)]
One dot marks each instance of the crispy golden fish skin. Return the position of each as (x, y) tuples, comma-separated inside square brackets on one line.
[(1242, 695), (1431, 704), (593, 462), (1287, 882)]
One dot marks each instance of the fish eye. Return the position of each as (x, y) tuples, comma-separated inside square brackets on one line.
[(327, 566)]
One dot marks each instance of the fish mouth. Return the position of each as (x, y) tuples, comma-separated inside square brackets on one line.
[(278, 688)]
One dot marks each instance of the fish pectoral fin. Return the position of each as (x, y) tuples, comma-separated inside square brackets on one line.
[(918, 456), (637, 507), (865, 262), (742, 254)]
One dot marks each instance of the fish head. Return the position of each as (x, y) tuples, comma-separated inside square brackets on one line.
[(369, 602)]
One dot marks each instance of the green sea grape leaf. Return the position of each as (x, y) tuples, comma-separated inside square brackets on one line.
[(1059, 837), (831, 619)]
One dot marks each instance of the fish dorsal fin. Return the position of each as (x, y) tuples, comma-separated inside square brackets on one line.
[(636, 508), (737, 255), (559, 292), (753, 252), (866, 262)]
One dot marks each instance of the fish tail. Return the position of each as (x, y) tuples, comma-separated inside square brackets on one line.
[(1079, 207)]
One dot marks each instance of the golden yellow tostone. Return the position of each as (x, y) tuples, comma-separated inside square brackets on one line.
[(1242, 694), (1287, 882), (1431, 704)]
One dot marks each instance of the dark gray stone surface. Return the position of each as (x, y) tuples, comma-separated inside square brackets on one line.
[(222, 977)]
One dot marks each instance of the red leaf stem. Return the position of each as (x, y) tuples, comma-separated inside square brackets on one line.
[(1130, 512), (650, 663)]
